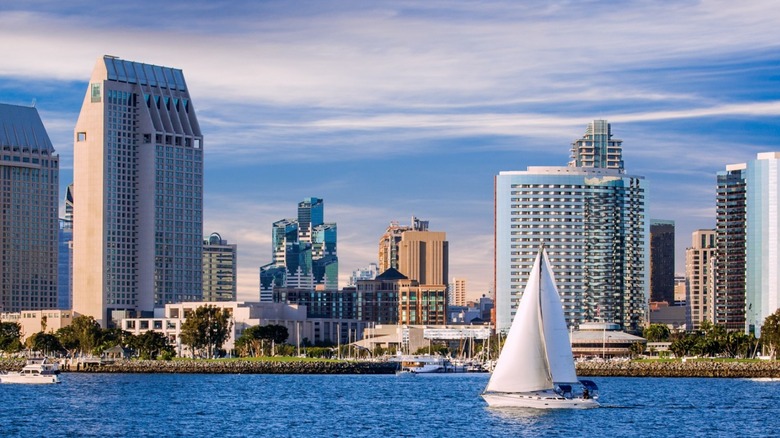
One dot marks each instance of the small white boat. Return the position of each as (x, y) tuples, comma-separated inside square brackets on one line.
[(423, 364), (536, 367), (36, 371)]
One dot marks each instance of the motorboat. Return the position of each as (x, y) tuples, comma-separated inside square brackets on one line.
[(36, 371), (423, 364)]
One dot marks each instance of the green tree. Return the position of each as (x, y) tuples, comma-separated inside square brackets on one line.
[(656, 333), (206, 329), (44, 342), (250, 342), (683, 345), (151, 344), (770, 333), (10, 337), (82, 335)]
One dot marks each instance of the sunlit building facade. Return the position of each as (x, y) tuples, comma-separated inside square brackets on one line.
[(700, 272), (138, 186), (593, 223)]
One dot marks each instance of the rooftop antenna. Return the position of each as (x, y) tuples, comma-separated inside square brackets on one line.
[(33, 102)]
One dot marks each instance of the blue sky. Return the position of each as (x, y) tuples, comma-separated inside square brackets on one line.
[(388, 109)]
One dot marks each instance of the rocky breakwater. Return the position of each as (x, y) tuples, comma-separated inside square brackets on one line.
[(244, 367), (690, 368)]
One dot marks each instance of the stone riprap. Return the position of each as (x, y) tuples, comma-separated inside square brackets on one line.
[(240, 367), (691, 368)]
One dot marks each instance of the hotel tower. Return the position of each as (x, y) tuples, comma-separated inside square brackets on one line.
[(29, 186), (138, 192), (591, 217)]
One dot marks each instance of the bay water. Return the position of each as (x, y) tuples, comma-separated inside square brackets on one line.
[(444, 405)]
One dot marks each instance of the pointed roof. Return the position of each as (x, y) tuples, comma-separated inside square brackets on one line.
[(21, 126), (391, 274)]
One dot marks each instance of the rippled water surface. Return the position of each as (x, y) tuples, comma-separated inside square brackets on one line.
[(406, 406)]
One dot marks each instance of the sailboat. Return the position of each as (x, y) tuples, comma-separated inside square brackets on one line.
[(536, 367)]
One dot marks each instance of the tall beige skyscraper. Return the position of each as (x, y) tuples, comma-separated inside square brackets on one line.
[(700, 271), (417, 253), (138, 189)]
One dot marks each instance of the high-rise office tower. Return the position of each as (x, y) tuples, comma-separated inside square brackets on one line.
[(29, 187), (219, 269), (304, 252), (592, 222), (597, 148), (662, 261), (388, 243), (423, 256), (730, 234), (700, 272), (138, 186), (762, 239), (65, 260)]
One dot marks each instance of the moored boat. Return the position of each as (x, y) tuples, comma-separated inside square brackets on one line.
[(36, 371)]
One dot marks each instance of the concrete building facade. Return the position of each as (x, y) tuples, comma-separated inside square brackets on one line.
[(29, 192), (138, 187), (700, 271), (730, 224)]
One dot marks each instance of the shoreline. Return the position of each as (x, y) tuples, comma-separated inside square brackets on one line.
[(690, 368)]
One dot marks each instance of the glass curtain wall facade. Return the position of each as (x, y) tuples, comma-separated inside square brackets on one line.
[(304, 252), (138, 179), (29, 192), (662, 261), (730, 261), (592, 222), (762, 249)]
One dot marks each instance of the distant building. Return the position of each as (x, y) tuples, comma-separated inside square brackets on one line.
[(219, 269), (457, 292), (65, 256), (29, 187), (367, 273), (700, 271), (730, 266), (419, 254), (138, 186), (390, 240), (390, 298), (605, 340), (674, 317), (680, 290), (304, 252), (662, 260)]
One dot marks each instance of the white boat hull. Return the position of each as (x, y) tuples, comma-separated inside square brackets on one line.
[(29, 379), (537, 401)]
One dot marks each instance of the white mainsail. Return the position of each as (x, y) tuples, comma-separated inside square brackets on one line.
[(537, 351)]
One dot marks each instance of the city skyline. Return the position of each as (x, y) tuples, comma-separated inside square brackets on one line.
[(390, 110)]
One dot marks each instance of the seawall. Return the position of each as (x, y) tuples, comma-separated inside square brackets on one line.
[(221, 367), (697, 368)]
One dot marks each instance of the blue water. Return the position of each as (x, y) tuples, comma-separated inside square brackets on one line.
[(377, 406)]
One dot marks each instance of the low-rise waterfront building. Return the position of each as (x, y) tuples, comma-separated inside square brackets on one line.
[(169, 320), (35, 321), (605, 340)]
